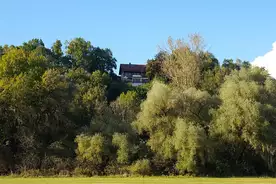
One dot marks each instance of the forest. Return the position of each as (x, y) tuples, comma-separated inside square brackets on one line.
[(65, 111)]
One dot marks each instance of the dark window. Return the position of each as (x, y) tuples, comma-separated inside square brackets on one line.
[(144, 80), (136, 80)]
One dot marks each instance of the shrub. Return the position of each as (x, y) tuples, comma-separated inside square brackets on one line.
[(30, 173), (116, 169), (64, 173), (141, 167), (88, 170), (49, 172), (82, 172), (90, 148)]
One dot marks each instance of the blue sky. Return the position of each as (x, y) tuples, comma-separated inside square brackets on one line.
[(134, 29)]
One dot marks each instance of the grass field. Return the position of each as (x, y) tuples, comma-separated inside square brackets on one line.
[(146, 180)]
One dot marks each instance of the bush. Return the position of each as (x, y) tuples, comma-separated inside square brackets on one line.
[(59, 164), (64, 173), (141, 167), (29, 161), (30, 173), (87, 171), (82, 172), (116, 169), (49, 172)]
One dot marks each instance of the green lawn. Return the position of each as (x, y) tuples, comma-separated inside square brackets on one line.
[(146, 180)]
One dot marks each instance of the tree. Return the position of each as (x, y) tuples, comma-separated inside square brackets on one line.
[(190, 140), (33, 44), (17, 61), (212, 79), (89, 93), (230, 65), (154, 120), (210, 62), (183, 65), (1, 51), (154, 66), (126, 106), (57, 49), (103, 60), (177, 124), (141, 167), (38, 98), (248, 94), (246, 64), (78, 49), (90, 58), (120, 141), (90, 148)]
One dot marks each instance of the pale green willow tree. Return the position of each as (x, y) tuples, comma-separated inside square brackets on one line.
[(189, 141), (141, 167), (154, 118), (90, 148), (177, 123), (121, 142), (248, 112)]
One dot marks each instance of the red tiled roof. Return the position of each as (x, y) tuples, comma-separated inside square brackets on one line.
[(132, 68)]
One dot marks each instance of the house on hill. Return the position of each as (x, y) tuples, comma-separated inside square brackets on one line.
[(133, 73)]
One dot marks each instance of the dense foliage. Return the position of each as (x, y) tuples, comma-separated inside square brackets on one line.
[(64, 111)]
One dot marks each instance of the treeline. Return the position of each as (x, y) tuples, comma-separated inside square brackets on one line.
[(65, 112)]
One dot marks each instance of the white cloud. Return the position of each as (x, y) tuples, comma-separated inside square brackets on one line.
[(268, 61)]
